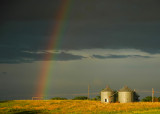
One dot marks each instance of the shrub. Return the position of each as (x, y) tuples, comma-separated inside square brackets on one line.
[(80, 98), (97, 98), (58, 98), (149, 99)]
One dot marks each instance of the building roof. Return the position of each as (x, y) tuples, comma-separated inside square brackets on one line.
[(107, 89), (125, 89)]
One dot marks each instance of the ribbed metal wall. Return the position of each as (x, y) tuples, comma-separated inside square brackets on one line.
[(106, 97), (125, 97)]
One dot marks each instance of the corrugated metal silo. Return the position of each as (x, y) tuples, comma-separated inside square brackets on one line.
[(107, 95), (125, 95)]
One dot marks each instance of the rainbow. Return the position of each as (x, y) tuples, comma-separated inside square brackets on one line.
[(53, 44)]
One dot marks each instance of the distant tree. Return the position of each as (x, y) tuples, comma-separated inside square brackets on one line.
[(58, 98), (156, 99), (147, 99), (98, 98), (159, 99), (94, 99), (80, 98), (115, 95), (135, 97)]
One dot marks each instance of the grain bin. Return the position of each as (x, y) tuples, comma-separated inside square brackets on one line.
[(125, 95), (107, 95)]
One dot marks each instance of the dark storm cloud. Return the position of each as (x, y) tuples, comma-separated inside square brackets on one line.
[(82, 10), (25, 10), (119, 56), (143, 36), (29, 36), (106, 24)]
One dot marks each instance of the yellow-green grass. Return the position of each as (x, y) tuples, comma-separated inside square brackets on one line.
[(76, 106)]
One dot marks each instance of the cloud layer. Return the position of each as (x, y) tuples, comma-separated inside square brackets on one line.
[(28, 26), (28, 57), (119, 56)]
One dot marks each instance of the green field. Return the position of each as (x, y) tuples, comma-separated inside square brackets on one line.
[(76, 106)]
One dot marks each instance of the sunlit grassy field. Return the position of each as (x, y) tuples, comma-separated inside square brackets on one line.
[(75, 106)]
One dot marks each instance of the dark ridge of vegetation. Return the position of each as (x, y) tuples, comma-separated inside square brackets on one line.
[(97, 98), (80, 98), (4, 101), (149, 99), (58, 98), (29, 112)]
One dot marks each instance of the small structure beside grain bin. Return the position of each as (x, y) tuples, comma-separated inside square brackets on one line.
[(125, 95), (107, 95)]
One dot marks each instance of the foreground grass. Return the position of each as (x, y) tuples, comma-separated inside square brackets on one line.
[(75, 106)]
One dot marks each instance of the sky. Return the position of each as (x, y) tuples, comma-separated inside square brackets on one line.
[(104, 42)]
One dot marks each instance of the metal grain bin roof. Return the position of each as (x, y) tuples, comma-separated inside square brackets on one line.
[(125, 89), (107, 89)]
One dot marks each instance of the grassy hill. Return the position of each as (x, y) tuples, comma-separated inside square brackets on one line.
[(75, 106)]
